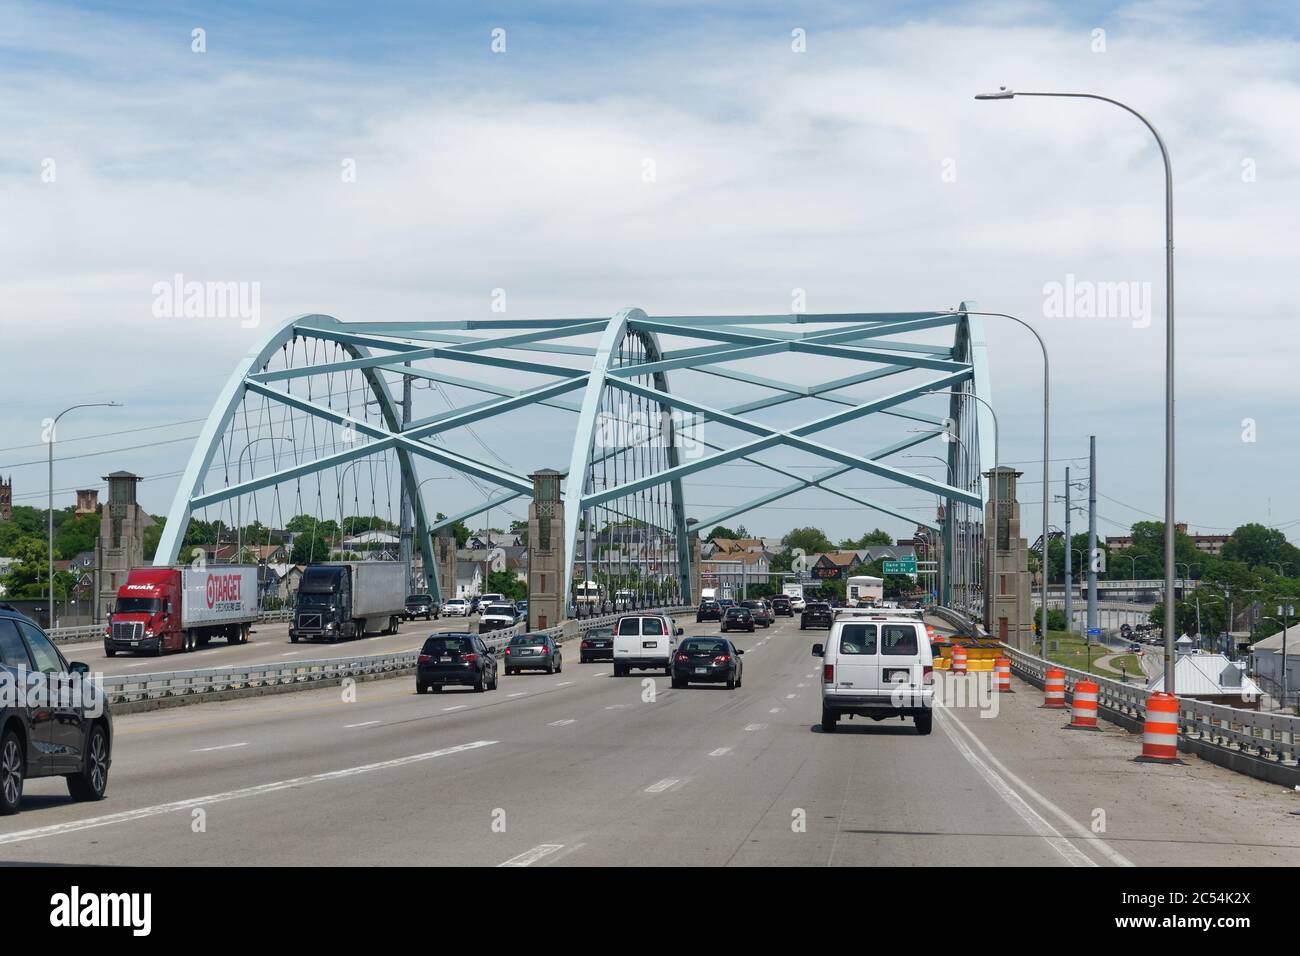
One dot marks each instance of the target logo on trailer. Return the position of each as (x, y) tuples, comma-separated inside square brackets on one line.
[(223, 590)]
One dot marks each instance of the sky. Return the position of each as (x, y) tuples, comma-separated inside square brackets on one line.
[(834, 148)]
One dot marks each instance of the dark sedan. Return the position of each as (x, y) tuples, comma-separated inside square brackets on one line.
[(534, 652), (455, 659), (708, 611), (738, 619), (816, 614), (597, 645), (707, 660), (781, 605)]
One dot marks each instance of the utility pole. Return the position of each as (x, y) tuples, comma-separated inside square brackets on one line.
[(405, 533), (1069, 560), (1092, 531)]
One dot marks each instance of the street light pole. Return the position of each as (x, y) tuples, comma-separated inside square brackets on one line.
[(54, 424), (1006, 94), (239, 465)]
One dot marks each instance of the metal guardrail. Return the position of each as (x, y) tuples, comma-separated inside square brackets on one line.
[(92, 632), (124, 688), (1268, 736)]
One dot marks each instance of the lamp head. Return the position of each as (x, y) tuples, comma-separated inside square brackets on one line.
[(1002, 94)]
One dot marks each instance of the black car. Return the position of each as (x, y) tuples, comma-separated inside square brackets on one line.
[(761, 611), (455, 659), (534, 652), (816, 614), (709, 610), (725, 603), (420, 605), (36, 740), (597, 645), (781, 605), (707, 660), (738, 619)]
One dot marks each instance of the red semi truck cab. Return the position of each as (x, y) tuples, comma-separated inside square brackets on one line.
[(177, 609)]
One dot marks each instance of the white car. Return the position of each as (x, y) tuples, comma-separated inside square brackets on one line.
[(645, 642), (493, 617), (798, 603), (877, 666), (456, 607)]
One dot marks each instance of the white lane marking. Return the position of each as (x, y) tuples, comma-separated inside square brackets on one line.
[(616, 706), (140, 664), (291, 654), (791, 696), (519, 694), (720, 752), (564, 683), (1052, 836), (663, 785), (364, 723), (1083, 832), (58, 829), (755, 726), (529, 857), (457, 707), (204, 750), (776, 710), (802, 685), (562, 723)]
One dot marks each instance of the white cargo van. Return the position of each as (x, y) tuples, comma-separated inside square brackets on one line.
[(645, 642), (877, 666)]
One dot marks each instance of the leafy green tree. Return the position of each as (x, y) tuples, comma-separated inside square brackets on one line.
[(505, 582), (721, 531), (1254, 545), (812, 540), (27, 576)]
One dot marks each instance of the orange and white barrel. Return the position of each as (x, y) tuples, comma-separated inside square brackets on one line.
[(1083, 710), (1160, 729), (1054, 689), (959, 660), (1002, 675)]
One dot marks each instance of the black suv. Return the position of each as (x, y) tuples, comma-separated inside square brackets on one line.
[(420, 605), (53, 722), (455, 659), (781, 605), (709, 610), (816, 614)]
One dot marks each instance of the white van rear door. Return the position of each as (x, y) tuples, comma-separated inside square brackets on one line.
[(857, 664), (655, 642), (900, 654)]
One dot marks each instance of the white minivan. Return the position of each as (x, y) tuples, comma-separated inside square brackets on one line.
[(877, 666), (644, 641)]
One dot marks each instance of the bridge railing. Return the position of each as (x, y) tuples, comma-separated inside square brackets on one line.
[(1265, 735), (128, 688)]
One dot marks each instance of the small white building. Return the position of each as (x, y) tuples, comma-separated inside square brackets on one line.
[(1266, 661), (1212, 678)]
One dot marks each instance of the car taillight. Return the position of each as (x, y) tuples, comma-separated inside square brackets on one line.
[(927, 674), (722, 659), (425, 658), (508, 650), (468, 658), (683, 659), (828, 674), (586, 644)]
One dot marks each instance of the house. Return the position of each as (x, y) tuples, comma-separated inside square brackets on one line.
[(469, 580), (1266, 661), (833, 564), (1212, 678)]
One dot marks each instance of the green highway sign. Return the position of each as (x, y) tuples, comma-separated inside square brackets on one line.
[(905, 566)]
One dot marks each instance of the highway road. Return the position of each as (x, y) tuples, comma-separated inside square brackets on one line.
[(581, 768), (268, 644)]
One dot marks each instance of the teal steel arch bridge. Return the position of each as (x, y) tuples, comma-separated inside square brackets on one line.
[(332, 425)]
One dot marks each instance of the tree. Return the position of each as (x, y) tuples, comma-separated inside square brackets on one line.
[(1254, 544), (876, 538), (27, 576), (721, 531), (507, 583), (812, 540)]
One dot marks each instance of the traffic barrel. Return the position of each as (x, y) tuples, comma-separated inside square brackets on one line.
[(1002, 676), (1054, 688), (1083, 711), (1160, 729), (959, 661)]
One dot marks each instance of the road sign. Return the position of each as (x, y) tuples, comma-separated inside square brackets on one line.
[(902, 566)]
